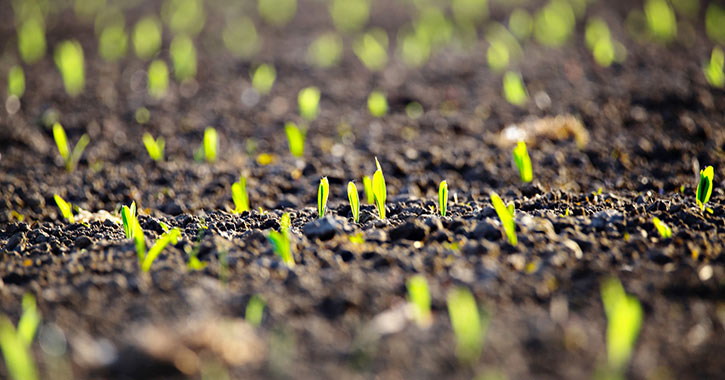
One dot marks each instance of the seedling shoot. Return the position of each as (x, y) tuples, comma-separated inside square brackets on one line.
[(352, 196), (443, 198), (322, 193)]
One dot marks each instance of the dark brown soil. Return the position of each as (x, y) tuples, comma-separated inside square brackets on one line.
[(652, 122)]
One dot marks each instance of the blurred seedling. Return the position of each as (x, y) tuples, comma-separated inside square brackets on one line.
[(69, 60), (240, 195), (255, 310), (308, 101), (513, 89), (352, 196), (129, 220), (281, 243), (349, 15), (443, 198), (31, 39), (372, 49), (263, 78), (66, 209), (506, 215), (70, 158), (16, 81), (704, 188), (113, 41), (155, 147), (208, 149), (295, 139), (468, 324), (183, 57), (662, 228), (158, 78), (368, 188), (240, 36), (194, 263), (523, 162), (325, 51), (419, 298), (521, 24), (554, 23), (660, 20), (714, 68), (147, 37), (714, 20), (16, 343), (169, 237), (624, 319), (377, 104), (322, 193), (379, 191), (277, 12)]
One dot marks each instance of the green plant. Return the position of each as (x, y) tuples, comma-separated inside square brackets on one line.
[(377, 104), (147, 37), (714, 68), (184, 16), (255, 310), (704, 188), (70, 158), (554, 23), (66, 209), (113, 41), (155, 147), (599, 42), (69, 60), (624, 319), (513, 89), (660, 20), (349, 15), (128, 219), (240, 196), (16, 81), (378, 189), (15, 344), (468, 324), (285, 223), (523, 162), (419, 297), (714, 20), (31, 39), (170, 236), (322, 192), (183, 56), (240, 37), (497, 55), (295, 139), (372, 49), (506, 215), (352, 196), (277, 12), (282, 246), (521, 24), (414, 47), (158, 78), (368, 188), (664, 230), (325, 51), (263, 78), (469, 11), (142, 115), (443, 197), (208, 148), (308, 100)]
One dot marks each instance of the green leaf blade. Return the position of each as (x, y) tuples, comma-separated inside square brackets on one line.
[(322, 193), (443, 197), (156, 249), (352, 196), (506, 217)]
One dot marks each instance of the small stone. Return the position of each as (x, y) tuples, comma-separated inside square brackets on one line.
[(323, 229), (171, 208), (83, 242), (412, 230), (16, 242)]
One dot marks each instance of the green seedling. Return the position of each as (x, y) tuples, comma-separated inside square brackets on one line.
[(468, 324), (263, 78), (664, 230), (419, 298), (66, 209), (308, 100), (285, 223), (16, 81), (469, 11), (704, 188), (193, 264), (414, 110), (158, 78), (372, 49), (554, 23), (325, 51), (295, 139), (349, 15), (523, 162), (379, 191), (277, 12), (521, 24), (171, 236), (208, 149), (624, 319), (142, 115), (69, 60), (15, 343), (112, 42), (322, 192), (443, 197), (368, 188), (183, 56), (240, 196), (599, 42), (714, 69), (70, 158), (414, 47), (660, 20), (497, 55), (240, 37), (184, 16), (513, 89), (377, 104), (155, 147), (31, 39), (282, 246), (714, 20), (147, 37), (506, 215), (255, 310), (352, 196), (128, 218)]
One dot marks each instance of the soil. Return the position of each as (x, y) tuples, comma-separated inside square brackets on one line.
[(652, 122)]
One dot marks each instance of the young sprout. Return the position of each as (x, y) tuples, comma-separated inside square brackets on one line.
[(349, 15), (325, 51), (379, 192), (624, 319), (171, 236), (513, 89), (352, 195), (263, 78), (158, 78), (70, 158), (419, 298), (147, 37), (255, 310), (554, 23), (183, 56), (139, 239), (368, 188), (664, 230), (69, 59), (113, 41), (372, 49), (66, 210), (31, 39), (240, 37), (521, 24), (277, 12), (155, 147), (209, 147), (661, 20), (285, 223), (16, 81), (377, 104), (322, 192), (128, 217), (468, 325), (523, 162), (443, 197), (282, 246), (15, 344), (704, 188), (714, 69), (240, 196), (295, 138), (506, 215), (308, 100)]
